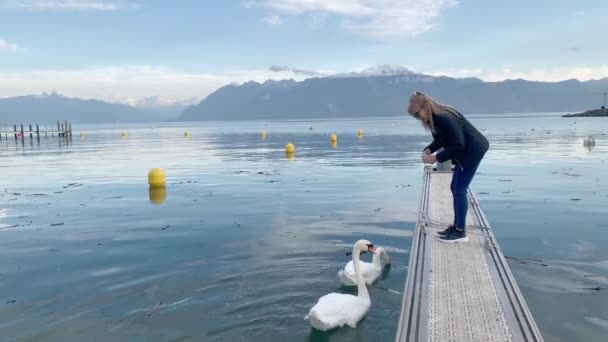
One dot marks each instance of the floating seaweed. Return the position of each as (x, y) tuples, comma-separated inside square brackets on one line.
[(527, 261), (156, 306)]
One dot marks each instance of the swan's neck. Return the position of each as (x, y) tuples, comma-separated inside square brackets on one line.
[(361, 287), (377, 259)]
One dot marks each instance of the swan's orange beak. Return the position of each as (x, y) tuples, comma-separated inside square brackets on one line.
[(371, 249)]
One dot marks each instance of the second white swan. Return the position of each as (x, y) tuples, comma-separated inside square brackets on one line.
[(369, 271)]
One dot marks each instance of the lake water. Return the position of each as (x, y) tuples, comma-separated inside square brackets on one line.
[(246, 241)]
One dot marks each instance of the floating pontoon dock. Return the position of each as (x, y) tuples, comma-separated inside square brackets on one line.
[(464, 291)]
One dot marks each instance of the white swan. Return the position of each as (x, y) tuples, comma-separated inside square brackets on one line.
[(338, 309), (369, 271)]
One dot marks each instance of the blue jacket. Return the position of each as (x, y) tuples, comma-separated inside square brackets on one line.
[(461, 141)]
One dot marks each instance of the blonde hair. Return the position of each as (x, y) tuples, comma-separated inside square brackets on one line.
[(437, 108)]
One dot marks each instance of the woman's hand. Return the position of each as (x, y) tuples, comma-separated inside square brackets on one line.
[(425, 154), (429, 159)]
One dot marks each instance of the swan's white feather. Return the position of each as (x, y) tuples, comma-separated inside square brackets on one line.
[(337, 309), (369, 271)]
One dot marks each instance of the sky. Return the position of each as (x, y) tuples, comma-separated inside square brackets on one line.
[(182, 50)]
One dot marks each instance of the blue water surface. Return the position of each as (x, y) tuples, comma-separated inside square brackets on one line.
[(244, 241)]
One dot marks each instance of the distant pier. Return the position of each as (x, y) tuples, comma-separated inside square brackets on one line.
[(19, 132)]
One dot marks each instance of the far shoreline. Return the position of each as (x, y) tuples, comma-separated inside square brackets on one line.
[(594, 113)]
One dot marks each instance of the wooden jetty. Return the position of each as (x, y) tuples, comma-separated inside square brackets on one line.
[(64, 129), (463, 291)]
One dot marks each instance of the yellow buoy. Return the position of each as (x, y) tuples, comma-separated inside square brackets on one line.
[(360, 132), (123, 134), (333, 138), (157, 195), (263, 135), (82, 134), (290, 148), (290, 155), (186, 134), (156, 177)]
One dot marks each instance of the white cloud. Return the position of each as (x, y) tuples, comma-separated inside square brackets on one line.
[(375, 18), (581, 73), (64, 5), (317, 20), (157, 101), (273, 20), (385, 69), (7, 46), (296, 71), (115, 83)]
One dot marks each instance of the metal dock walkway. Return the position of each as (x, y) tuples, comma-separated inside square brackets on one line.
[(464, 291)]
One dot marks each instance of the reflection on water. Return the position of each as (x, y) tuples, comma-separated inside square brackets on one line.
[(157, 194), (250, 237)]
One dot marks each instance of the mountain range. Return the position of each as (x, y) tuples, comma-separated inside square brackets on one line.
[(48, 108), (375, 92), (386, 94)]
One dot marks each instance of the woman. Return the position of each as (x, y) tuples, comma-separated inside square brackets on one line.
[(461, 142)]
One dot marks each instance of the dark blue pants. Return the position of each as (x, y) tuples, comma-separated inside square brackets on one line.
[(461, 178)]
